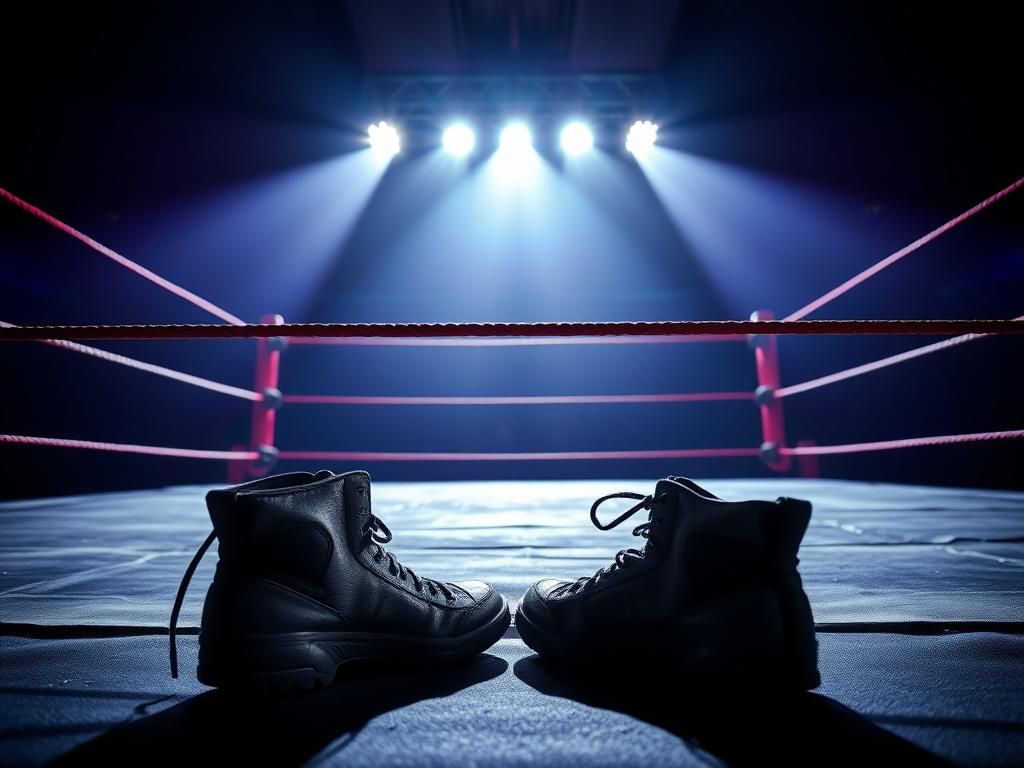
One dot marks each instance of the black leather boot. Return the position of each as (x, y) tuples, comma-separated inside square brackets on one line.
[(715, 590), (304, 585)]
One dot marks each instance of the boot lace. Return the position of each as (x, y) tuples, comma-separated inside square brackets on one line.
[(377, 533), (180, 598), (626, 557)]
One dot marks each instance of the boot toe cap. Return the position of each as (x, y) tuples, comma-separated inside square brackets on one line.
[(480, 591), (545, 587), (487, 603), (534, 602)]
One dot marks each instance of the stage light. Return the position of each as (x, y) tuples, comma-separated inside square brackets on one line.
[(576, 138), (458, 140), (515, 139), (384, 140), (641, 137)]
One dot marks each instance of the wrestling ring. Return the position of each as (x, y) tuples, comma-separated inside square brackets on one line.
[(915, 590)]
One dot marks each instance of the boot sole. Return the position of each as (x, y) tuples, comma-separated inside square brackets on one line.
[(739, 638), (305, 661)]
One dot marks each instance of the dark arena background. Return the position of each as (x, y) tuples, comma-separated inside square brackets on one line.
[(532, 162)]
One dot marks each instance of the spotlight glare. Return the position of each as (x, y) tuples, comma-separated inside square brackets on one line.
[(515, 139), (458, 140), (641, 137), (576, 138), (384, 140)]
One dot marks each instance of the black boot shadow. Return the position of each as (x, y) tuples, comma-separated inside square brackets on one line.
[(736, 723), (249, 728)]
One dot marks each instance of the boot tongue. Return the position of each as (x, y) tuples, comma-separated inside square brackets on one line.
[(323, 474)]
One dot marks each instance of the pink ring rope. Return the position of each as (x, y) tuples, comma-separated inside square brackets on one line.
[(888, 261), (910, 442), (878, 365), (689, 397), (149, 450), (158, 370), (682, 453), (450, 330), (357, 456), (127, 263), (499, 342)]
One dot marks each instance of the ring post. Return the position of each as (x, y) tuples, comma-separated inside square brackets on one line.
[(264, 412), (773, 431)]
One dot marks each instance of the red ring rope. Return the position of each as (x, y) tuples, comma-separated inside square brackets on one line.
[(114, 256), (888, 261), (159, 370), (689, 397), (227, 316), (448, 330), (877, 365)]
